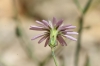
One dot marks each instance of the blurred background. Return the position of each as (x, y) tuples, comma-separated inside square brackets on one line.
[(17, 49)]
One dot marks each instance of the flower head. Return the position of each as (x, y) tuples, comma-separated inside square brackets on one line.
[(55, 32)]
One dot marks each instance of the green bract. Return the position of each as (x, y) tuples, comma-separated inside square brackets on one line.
[(53, 37)]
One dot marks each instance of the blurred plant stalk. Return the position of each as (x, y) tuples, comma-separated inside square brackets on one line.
[(22, 36), (81, 22)]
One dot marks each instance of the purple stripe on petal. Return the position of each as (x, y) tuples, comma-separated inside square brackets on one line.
[(72, 33), (43, 38), (60, 41), (35, 37), (47, 42), (36, 28), (70, 37), (59, 23)]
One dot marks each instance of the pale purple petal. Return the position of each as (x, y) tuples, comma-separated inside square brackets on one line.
[(51, 25), (70, 37), (54, 21), (43, 38), (66, 28), (65, 31), (71, 27), (63, 27), (39, 22), (35, 37), (42, 24), (46, 23), (47, 42), (59, 23), (61, 40), (36, 28), (72, 33)]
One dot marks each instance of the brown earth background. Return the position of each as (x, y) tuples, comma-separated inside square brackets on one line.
[(16, 47)]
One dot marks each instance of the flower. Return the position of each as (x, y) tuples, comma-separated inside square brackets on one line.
[(55, 32)]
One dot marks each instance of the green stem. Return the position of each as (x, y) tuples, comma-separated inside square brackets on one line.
[(53, 55), (78, 47)]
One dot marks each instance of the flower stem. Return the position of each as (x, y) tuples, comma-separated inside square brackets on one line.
[(53, 55)]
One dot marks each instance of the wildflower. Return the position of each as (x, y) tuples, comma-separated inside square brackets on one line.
[(54, 32)]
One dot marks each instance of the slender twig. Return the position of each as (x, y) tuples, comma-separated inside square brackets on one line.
[(79, 41), (87, 61), (78, 5), (78, 47)]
